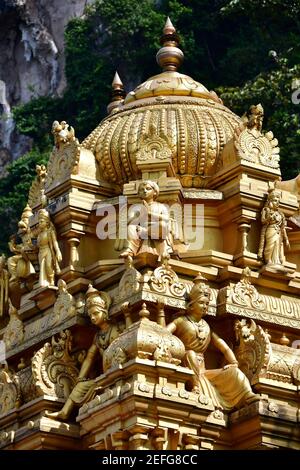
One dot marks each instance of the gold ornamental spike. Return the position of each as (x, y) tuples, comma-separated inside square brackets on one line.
[(118, 93), (169, 57), (169, 28), (117, 83)]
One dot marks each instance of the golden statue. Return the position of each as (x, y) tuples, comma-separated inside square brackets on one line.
[(227, 386), (3, 286), (19, 265), (254, 117), (49, 252), (63, 133), (149, 225), (98, 304), (274, 233)]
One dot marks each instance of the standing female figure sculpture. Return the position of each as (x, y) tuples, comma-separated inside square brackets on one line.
[(274, 234), (227, 386), (49, 253)]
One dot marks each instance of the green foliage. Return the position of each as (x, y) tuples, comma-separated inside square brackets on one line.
[(273, 90), (35, 119), (226, 45), (14, 193)]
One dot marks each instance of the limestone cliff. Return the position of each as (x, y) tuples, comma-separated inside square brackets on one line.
[(31, 59)]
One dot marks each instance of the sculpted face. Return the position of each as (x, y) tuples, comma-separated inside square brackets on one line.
[(274, 200), (200, 307), (146, 191), (97, 315), (43, 223)]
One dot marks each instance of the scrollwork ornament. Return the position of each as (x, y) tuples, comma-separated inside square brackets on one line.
[(54, 370)]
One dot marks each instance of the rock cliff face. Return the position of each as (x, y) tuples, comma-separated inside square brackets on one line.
[(31, 59)]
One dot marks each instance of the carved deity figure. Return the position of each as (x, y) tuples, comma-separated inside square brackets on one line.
[(149, 225), (63, 133), (19, 265), (274, 233), (254, 117), (227, 386), (49, 252), (98, 304), (3, 286)]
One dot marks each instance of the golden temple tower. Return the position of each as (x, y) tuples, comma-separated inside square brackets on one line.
[(172, 209)]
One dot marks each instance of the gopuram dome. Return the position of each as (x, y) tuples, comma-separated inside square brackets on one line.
[(173, 114)]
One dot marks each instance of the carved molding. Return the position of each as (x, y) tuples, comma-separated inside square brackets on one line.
[(165, 281), (258, 306), (253, 146), (63, 163), (10, 393), (259, 358), (54, 370), (14, 332), (36, 191), (254, 349), (65, 303), (154, 146)]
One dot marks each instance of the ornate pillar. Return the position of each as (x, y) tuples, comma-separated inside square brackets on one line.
[(74, 256)]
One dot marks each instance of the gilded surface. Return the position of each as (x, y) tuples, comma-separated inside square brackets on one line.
[(65, 302), (179, 386), (273, 238), (145, 339), (98, 304), (193, 152), (259, 358), (14, 332), (254, 146), (49, 254), (3, 286), (63, 161), (279, 311), (36, 192), (54, 370), (24, 253), (10, 396), (227, 386)]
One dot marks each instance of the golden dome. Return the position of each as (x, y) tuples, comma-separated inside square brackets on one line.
[(170, 107)]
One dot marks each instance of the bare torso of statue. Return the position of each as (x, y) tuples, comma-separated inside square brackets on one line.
[(228, 386)]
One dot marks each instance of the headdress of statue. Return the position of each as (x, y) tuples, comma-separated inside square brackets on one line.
[(98, 299), (44, 214), (199, 289)]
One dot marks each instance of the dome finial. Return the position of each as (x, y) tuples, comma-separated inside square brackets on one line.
[(169, 57), (118, 93), (169, 28)]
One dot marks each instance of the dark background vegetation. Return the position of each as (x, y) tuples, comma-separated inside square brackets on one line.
[(246, 50)]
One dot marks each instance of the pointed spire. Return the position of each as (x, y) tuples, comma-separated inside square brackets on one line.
[(117, 83), (169, 56), (169, 28), (118, 93)]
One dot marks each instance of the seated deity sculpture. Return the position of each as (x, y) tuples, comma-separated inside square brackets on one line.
[(274, 232), (149, 227), (49, 253), (98, 304), (227, 386)]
